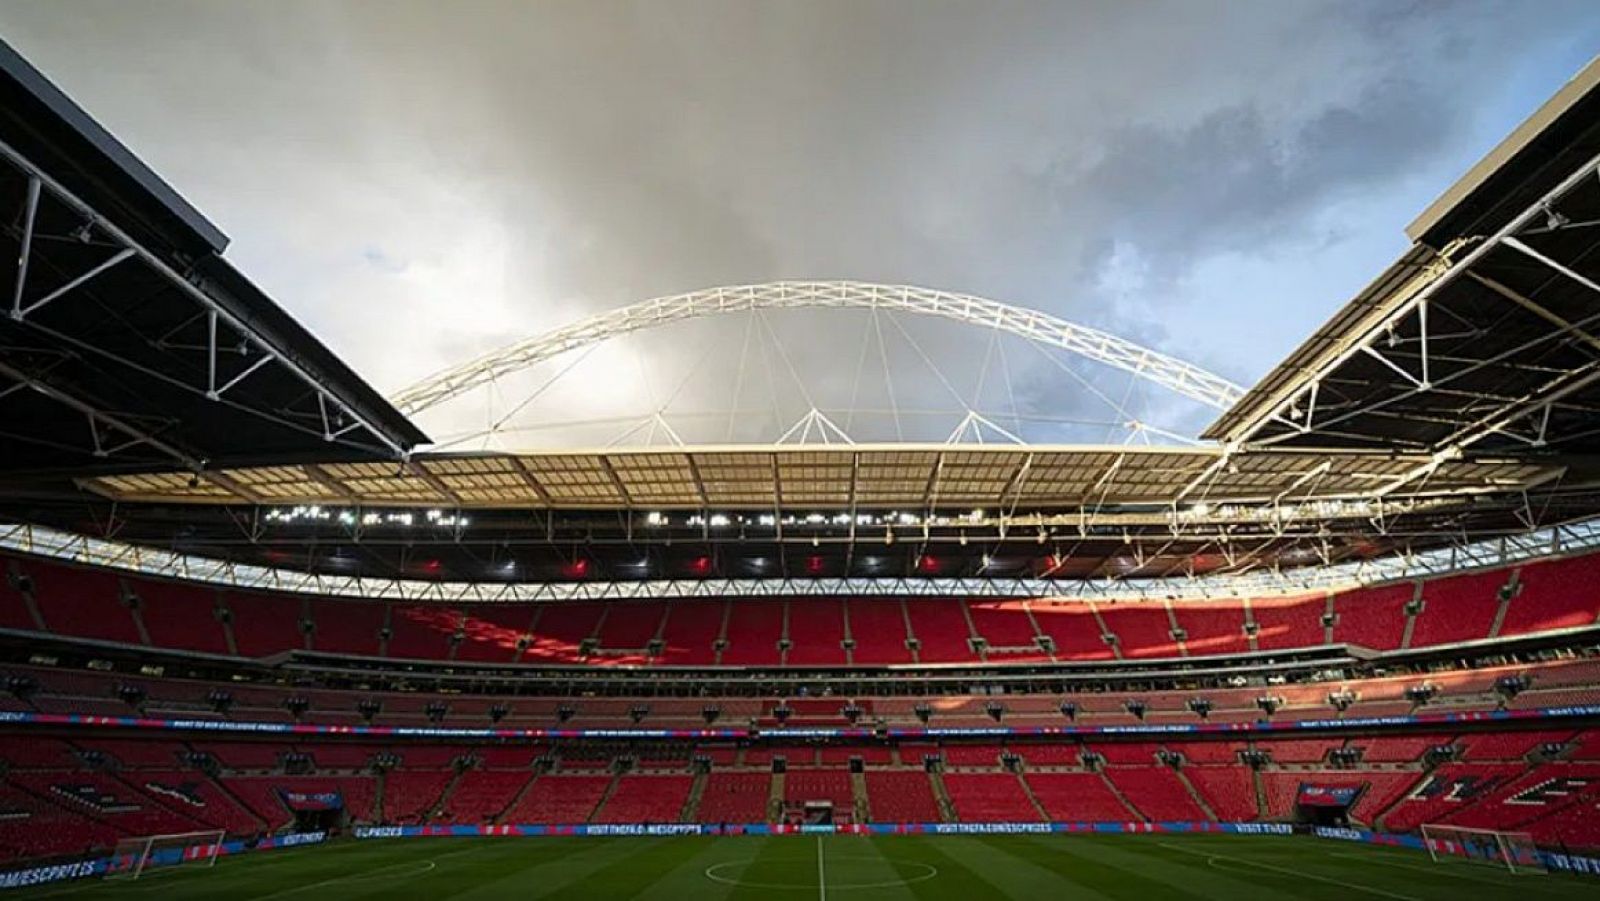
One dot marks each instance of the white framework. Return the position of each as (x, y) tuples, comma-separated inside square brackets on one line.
[(132, 856), (112, 431), (47, 542), (1516, 851), (1167, 371), (1293, 408)]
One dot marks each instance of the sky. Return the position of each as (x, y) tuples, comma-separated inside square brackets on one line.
[(421, 182)]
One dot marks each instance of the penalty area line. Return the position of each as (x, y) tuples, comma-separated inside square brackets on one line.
[(1212, 856)]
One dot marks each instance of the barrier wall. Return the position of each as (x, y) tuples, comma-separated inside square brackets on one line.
[(782, 734), (83, 869), (1554, 860), (532, 830)]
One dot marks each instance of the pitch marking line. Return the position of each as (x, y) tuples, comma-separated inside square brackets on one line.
[(1212, 858), (426, 867), (712, 873), (822, 877)]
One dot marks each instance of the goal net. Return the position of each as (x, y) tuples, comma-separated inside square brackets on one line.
[(1513, 850), (133, 857)]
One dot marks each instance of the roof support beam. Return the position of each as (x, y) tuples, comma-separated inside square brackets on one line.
[(132, 248), (30, 212)]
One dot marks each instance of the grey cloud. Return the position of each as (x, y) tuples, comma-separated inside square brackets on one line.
[(421, 182)]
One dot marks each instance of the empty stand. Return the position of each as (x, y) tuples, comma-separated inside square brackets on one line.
[(1227, 790), (754, 628), (561, 631), (1078, 797), (878, 626), (691, 629), (1289, 622), (1158, 793), (265, 624), (646, 799), (492, 633), (559, 800), (83, 602), (1072, 627), (989, 798), (734, 798), (182, 616), (941, 631), (1558, 594), (816, 632), (1458, 608), (1142, 628), (1007, 630), (901, 796), (1212, 627), (482, 795), (1372, 617)]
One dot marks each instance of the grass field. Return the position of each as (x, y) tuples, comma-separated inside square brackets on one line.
[(967, 868)]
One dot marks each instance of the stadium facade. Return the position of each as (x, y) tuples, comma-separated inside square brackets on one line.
[(242, 599)]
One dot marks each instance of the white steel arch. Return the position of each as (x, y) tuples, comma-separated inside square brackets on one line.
[(1167, 371)]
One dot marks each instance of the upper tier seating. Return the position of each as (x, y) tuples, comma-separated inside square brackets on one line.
[(1007, 629), (1458, 608), (627, 630), (1288, 622), (73, 601), (344, 628), (1556, 594), (816, 632), (878, 626), (1372, 618), (691, 629), (184, 616), (940, 628), (83, 602), (1073, 628), (491, 634), (754, 629), (1142, 628), (265, 624), (560, 631), (1213, 628)]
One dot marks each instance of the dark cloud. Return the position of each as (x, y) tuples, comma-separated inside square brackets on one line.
[(421, 182)]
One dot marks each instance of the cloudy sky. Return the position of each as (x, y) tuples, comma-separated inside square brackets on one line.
[(419, 182)]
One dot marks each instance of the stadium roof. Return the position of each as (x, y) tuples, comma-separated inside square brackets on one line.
[(152, 395), (1482, 337), (129, 342), (807, 479)]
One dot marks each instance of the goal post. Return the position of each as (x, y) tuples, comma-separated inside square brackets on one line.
[(1516, 851), (133, 857)]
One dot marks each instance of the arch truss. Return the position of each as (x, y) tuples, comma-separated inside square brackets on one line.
[(1169, 372)]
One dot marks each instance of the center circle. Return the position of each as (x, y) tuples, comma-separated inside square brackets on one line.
[(715, 874)]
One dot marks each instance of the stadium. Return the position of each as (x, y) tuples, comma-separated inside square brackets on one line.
[(266, 632)]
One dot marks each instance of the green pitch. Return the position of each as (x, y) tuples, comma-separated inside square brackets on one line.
[(961, 868)]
